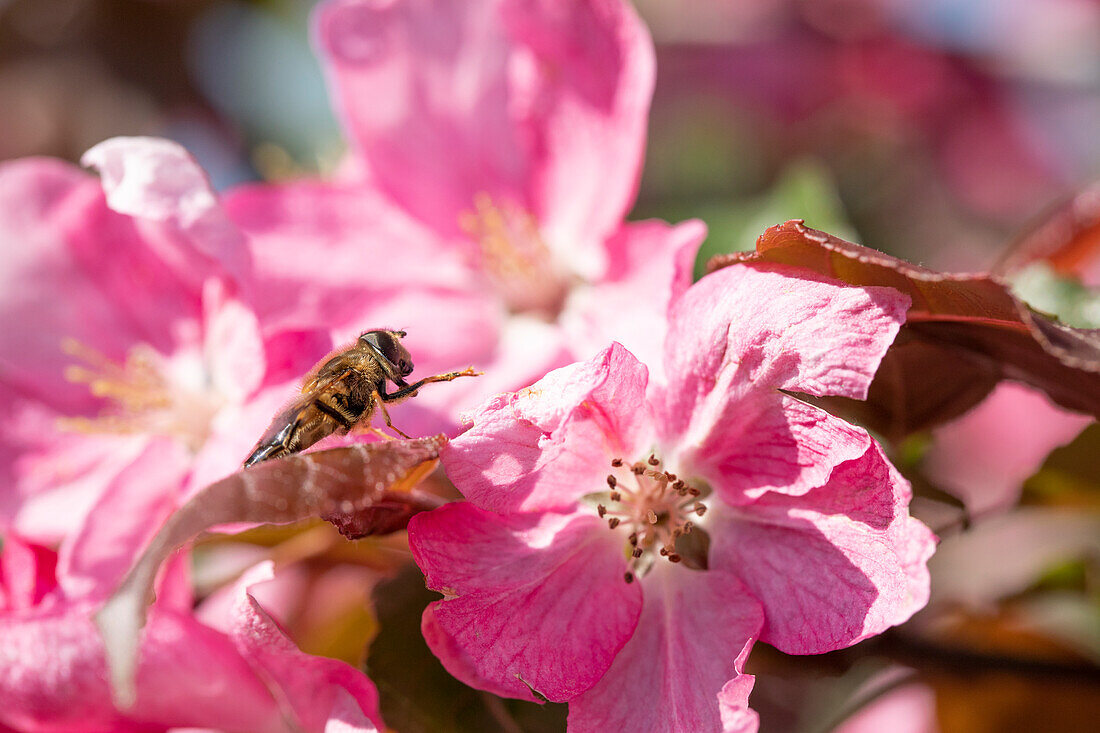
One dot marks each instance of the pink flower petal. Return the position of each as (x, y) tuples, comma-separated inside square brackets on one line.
[(27, 573), (40, 201), (316, 689), (53, 677), (94, 559), (682, 669), (752, 328), (441, 68), (582, 99), (985, 456), (532, 602), (54, 476), (515, 110), (548, 445), (158, 180), (651, 264), (325, 253), (233, 350), (832, 567), (769, 442)]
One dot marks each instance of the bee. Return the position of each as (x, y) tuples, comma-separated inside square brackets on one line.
[(343, 392)]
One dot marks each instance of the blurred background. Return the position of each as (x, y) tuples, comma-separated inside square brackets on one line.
[(935, 130)]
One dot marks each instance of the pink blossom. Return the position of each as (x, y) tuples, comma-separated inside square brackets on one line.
[(626, 540), (496, 147), (239, 674), (125, 303)]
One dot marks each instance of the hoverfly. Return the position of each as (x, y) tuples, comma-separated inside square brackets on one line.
[(343, 392)]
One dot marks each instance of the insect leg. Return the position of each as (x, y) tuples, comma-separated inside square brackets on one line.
[(386, 415), (410, 389)]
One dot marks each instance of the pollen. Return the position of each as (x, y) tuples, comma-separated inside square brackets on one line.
[(514, 255), (138, 396), (654, 505)]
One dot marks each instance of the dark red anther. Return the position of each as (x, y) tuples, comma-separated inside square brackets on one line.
[(629, 577), (616, 462), (601, 510), (613, 522), (616, 496)]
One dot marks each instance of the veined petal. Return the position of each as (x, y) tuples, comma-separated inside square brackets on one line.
[(749, 328), (834, 566), (532, 602), (682, 668), (767, 442), (546, 446)]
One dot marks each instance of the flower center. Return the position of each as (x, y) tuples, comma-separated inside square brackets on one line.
[(514, 256), (656, 507), (141, 397)]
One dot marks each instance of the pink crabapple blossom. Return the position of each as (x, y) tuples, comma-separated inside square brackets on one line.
[(495, 149), (627, 539), (126, 320)]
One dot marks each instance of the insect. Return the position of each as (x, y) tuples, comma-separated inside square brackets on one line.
[(343, 392)]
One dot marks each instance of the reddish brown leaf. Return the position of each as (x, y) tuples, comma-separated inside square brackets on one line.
[(342, 485), (964, 333)]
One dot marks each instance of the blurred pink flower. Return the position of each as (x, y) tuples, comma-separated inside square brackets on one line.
[(244, 675), (125, 320), (781, 522), (496, 149), (985, 456)]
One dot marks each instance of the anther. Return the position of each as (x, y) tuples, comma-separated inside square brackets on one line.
[(638, 468), (653, 461), (616, 496), (636, 553), (674, 558), (611, 481), (628, 577), (664, 552), (651, 516), (688, 526), (693, 491), (633, 538), (616, 462), (700, 508), (601, 510), (613, 522)]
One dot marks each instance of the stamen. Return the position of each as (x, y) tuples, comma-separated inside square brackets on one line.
[(514, 254), (655, 505)]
